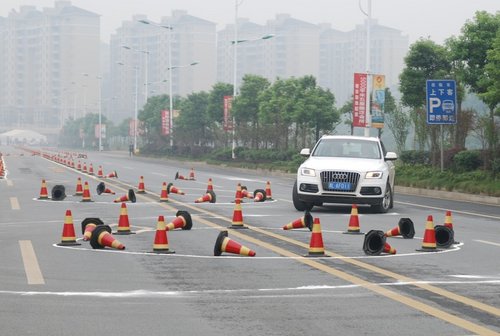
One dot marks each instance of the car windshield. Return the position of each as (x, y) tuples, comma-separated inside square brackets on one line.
[(347, 148)]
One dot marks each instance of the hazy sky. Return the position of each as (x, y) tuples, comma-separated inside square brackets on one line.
[(438, 19)]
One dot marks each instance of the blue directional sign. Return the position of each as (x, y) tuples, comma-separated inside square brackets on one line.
[(441, 97)]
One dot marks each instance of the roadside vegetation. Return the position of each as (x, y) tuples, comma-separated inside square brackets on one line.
[(274, 120)]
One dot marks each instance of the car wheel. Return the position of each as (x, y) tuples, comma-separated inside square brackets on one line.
[(298, 204), (386, 202)]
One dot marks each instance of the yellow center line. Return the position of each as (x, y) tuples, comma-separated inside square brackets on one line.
[(425, 308), (31, 267), (14, 203)]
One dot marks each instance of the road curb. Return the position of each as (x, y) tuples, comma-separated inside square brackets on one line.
[(450, 195)]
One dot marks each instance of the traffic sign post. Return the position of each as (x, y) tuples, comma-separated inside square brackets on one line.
[(441, 102), (441, 98)]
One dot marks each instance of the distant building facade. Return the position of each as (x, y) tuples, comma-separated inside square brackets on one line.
[(344, 53), (147, 51), (43, 56)]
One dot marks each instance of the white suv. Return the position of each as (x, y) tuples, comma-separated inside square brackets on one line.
[(346, 169)]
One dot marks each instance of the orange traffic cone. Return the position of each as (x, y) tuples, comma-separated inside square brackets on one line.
[(208, 197), (173, 190), (160, 244), (353, 221), (79, 166), (405, 228), (210, 186), (179, 176), (303, 222), (429, 241), (123, 222), (112, 174), (140, 188), (79, 187), (316, 247), (102, 237), (245, 193), (91, 169), (99, 172), (389, 249), (84, 168), (130, 196), (164, 193), (43, 191), (225, 244), (237, 222), (68, 234), (101, 189), (269, 195), (86, 193), (182, 221), (259, 195), (88, 226), (191, 175), (447, 220), (238, 195)]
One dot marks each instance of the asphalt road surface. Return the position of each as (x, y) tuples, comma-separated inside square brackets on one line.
[(47, 289)]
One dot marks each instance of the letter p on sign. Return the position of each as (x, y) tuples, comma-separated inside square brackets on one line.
[(434, 103)]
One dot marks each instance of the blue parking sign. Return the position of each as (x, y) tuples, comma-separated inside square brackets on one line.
[(441, 97)]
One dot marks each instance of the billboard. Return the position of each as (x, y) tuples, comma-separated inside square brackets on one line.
[(378, 101)]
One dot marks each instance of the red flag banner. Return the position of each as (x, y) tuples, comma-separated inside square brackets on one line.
[(165, 122), (228, 120), (359, 100)]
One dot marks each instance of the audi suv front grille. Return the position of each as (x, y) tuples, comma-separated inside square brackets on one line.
[(339, 181)]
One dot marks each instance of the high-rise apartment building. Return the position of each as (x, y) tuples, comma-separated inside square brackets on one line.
[(293, 51), (44, 55), (143, 50), (344, 53)]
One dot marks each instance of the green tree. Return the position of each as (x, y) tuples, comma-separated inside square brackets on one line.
[(192, 127), (398, 121), (470, 53), (425, 60), (216, 112), (150, 119), (246, 108)]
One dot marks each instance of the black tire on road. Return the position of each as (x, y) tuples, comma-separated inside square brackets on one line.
[(298, 204)]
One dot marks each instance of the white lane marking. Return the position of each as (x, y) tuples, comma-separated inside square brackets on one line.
[(31, 267), (239, 258), (14, 203), (263, 292), (487, 242), (470, 276), (160, 174), (443, 209)]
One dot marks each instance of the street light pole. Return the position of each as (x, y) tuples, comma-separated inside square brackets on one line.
[(171, 101), (368, 117), (136, 69), (235, 78), (99, 78)]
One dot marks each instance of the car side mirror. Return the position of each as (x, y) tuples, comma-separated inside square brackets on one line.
[(391, 156), (305, 152)]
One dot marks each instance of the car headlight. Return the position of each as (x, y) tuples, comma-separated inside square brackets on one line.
[(307, 172), (374, 175)]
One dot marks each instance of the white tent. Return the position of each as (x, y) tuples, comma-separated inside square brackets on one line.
[(23, 136)]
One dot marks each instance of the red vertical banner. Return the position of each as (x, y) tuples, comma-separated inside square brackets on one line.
[(359, 100), (165, 122), (228, 120)]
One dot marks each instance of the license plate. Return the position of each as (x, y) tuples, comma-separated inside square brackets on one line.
[(339, 185)]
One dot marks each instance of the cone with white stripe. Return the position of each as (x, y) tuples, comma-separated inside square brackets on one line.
[(225, 244), (68, 237), (316, 247)]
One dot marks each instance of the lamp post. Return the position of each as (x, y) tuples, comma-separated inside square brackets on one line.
[(235, 43), (99, 78), (170, 68), (368, 117), (146, 55), (136, 106)]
